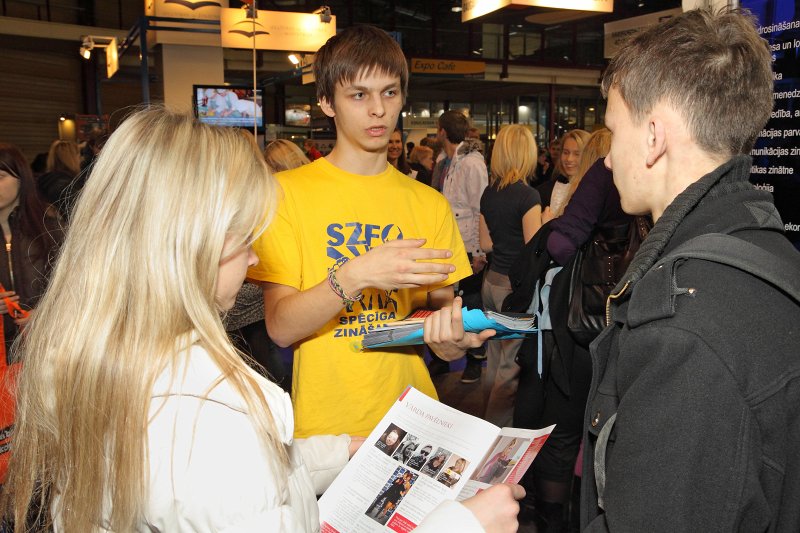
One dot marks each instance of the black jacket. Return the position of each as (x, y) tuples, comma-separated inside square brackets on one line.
[(702, 368), (26, 271)]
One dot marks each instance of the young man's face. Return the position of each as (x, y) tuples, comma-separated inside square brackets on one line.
[(628, 156), (365, 111), (441, 136)]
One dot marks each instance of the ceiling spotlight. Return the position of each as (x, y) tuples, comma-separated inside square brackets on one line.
[(324, 13), (87, 45), (294, 59), (456, 9), (251, 7)]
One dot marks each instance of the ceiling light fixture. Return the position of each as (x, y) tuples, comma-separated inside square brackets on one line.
[(294, 59), (324, 13), (90, 42), (456, 9), (87, 45)]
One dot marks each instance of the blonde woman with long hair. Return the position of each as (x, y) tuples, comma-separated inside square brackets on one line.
[(596, 202), (597, 147), (283, 154), (511, 213), (572, 145), (135, 413), (64, 156), (62, 182)]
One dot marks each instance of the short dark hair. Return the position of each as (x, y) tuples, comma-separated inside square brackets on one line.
[(356, 51), (455, 125), (728, 97)]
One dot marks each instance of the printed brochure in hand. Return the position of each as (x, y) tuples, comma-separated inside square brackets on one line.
[(420, 454), (409, 330)]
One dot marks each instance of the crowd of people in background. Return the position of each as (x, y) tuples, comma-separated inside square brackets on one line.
[(163, 302)]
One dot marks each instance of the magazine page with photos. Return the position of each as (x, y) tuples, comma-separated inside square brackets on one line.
[(422, 453)]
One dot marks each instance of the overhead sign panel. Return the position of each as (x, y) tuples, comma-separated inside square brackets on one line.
[(185, 9), (472, 9), (421, 122), (619, 32), (112, 57), (194, 15), (275, 30), (448, 69)]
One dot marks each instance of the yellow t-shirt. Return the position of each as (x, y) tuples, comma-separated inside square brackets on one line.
[(327, 213)]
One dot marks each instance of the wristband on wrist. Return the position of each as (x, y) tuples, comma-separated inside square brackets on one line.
[(337, 289)]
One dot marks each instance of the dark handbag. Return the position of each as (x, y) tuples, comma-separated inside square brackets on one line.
[(596, 269)]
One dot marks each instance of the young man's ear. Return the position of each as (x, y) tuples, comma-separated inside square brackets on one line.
[(656, 139), (327, 107)]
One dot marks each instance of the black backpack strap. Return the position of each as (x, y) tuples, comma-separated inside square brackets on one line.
[(747, 257)]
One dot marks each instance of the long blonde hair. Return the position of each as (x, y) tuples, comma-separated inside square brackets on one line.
[(64, 156), (133, 290), (597, 145), (282, 154), (513, 156)]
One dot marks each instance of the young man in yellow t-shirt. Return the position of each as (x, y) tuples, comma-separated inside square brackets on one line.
[(356, 244)]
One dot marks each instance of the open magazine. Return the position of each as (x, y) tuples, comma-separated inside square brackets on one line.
[(422, 453), (409, 330)]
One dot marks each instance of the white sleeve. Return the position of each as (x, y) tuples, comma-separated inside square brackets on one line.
[(450, 516), (324, 456), (475, 184), (209, 472)]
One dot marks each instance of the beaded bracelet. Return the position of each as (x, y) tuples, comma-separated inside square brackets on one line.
[(336, 288)]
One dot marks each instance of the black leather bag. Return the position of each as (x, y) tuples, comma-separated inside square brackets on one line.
[(596, 269)]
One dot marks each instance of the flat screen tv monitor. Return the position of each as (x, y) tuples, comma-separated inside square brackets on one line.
[(228, 105), (298, 115)]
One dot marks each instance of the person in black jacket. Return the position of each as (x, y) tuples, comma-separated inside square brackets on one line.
[(421, 161), (31, 240), (692, 416)]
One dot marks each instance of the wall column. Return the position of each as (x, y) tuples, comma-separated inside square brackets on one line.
[(185, 65)]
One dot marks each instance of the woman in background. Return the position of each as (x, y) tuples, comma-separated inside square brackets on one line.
[(556, 192), (396, 155), (422, 163), (283, 154), (64, 156), (511, 213), (597, 203), (30, 236), (61, 183)]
